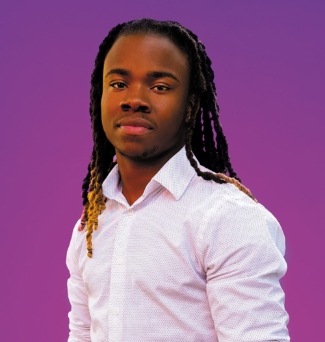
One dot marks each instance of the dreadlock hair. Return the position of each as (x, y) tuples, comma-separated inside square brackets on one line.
[(199, 132)]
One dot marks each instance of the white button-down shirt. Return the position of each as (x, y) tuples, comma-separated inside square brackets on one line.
[(190, 260)]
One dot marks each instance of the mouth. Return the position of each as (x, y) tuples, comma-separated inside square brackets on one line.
[(132, 130), (135, 122), (135, 126)]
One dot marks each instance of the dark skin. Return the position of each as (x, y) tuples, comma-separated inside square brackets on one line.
[(162, 100)]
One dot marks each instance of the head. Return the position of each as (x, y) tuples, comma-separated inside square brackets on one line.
[(146, 76), (191, 110)]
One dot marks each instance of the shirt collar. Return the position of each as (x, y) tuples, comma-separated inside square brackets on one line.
[(175, 175)]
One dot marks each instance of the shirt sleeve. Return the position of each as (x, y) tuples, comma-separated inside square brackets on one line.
[(244, 261), (79, 316)]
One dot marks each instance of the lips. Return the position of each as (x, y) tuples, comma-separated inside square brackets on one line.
[(135, 122)]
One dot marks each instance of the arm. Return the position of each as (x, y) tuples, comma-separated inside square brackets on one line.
[(244, 263), (79, 316)]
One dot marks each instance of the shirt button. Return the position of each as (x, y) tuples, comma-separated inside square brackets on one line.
[(116, 311), (119, 261), (130, 212)]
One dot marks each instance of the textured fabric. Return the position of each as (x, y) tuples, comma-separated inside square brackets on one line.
[(190, 260)]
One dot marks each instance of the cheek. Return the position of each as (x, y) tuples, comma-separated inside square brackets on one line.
[(170, 107), (105, 112), (112, 100), (104, 100), (108, 106), (170, 117)]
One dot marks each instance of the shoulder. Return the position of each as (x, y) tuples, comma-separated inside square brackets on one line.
[(224, 210), (223, 197)]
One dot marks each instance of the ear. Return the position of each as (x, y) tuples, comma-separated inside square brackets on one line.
[(190, 107)]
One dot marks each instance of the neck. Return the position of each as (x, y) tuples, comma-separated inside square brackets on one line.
[(136, 175)]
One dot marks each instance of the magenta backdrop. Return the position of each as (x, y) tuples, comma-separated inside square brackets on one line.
[(268, 58)]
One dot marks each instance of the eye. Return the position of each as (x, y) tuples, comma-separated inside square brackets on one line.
[(159, 87), (118, 85)]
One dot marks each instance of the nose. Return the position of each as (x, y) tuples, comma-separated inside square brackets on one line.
[(136, 101)]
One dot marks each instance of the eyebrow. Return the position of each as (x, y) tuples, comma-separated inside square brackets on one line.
[(151, 74)]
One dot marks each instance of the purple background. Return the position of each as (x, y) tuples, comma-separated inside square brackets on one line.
[(268, 58)]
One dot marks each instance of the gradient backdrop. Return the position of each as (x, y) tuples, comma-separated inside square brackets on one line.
[(268, 58)]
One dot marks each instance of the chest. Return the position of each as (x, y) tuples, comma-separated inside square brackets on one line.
[(143, 250)]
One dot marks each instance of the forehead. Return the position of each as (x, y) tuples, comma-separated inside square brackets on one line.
[(146, 52)]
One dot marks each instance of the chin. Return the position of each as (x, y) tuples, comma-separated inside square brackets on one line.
[(138, 153)]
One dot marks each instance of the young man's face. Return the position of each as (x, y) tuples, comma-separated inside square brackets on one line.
[(136, 91)]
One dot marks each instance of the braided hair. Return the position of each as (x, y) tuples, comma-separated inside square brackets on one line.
[(199, 132)]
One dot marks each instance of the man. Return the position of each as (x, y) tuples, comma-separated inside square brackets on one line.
[(173, 250)]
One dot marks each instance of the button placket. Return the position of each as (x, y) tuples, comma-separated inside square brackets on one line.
[(130, 212), (117, 284)]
